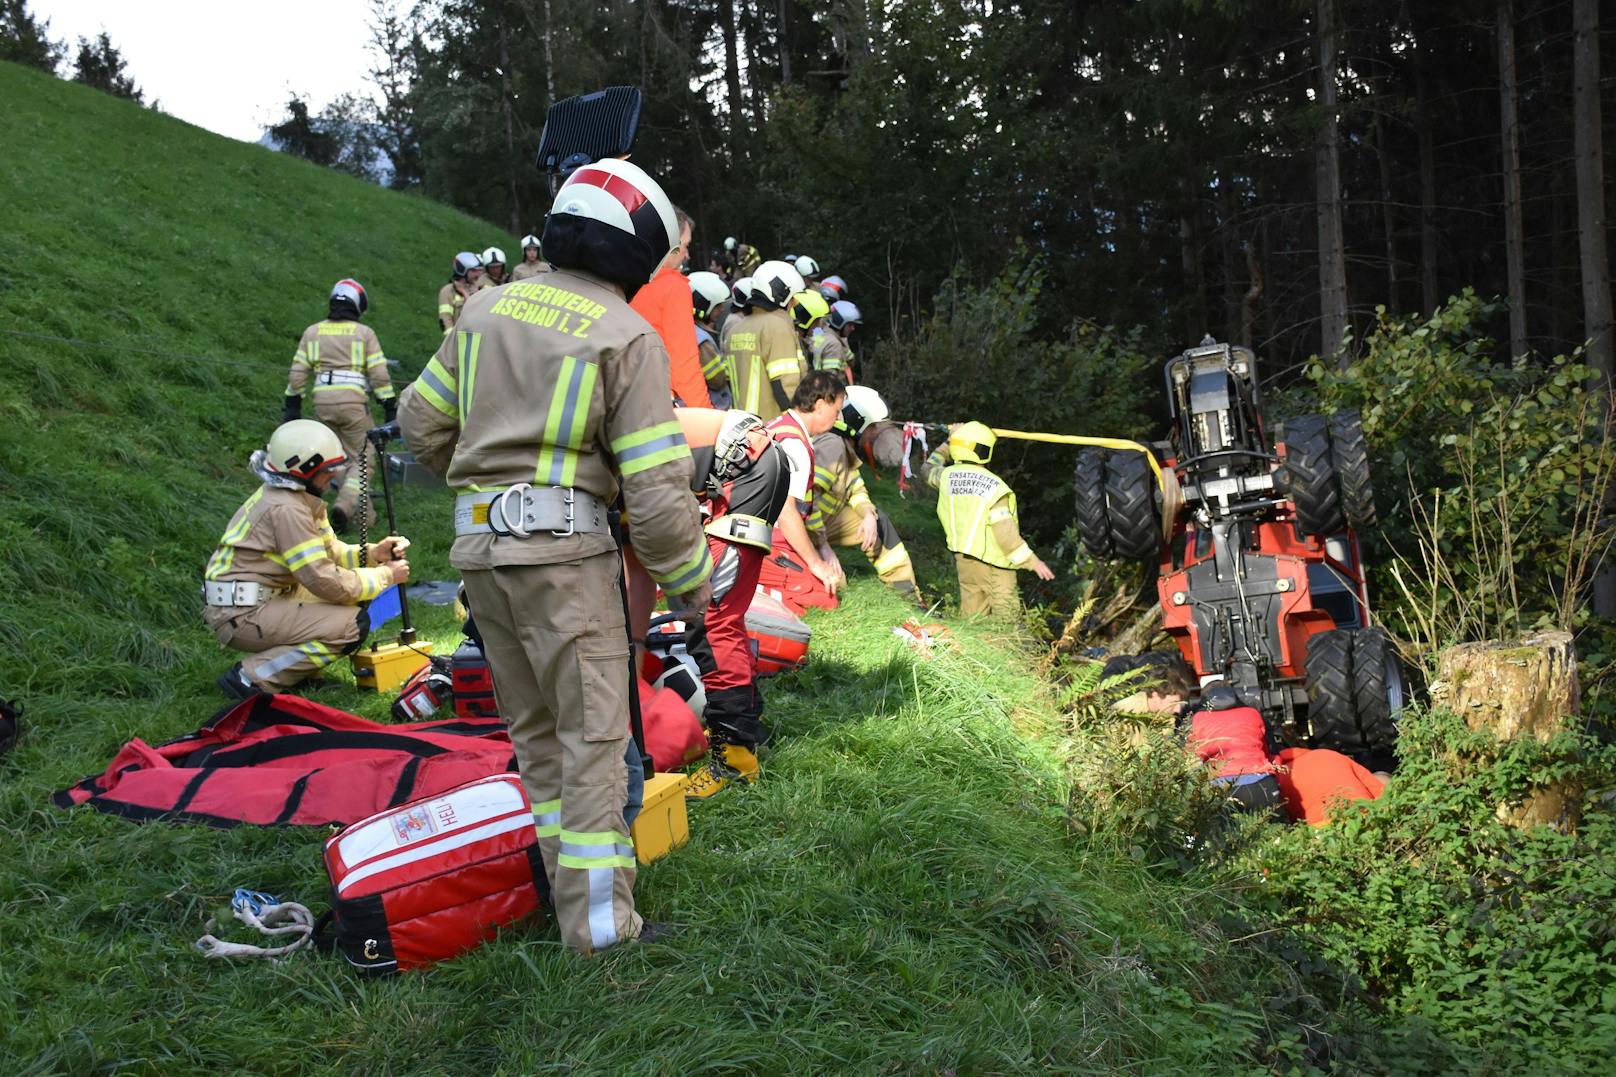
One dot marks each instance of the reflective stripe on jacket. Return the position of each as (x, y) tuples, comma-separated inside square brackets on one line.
[(838, 483)]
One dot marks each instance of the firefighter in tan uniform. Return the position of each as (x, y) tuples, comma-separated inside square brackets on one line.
[(843, 514), (494, 275), (550, 397), (978, 513), (765, 360), (343, 361), (532, 264), (466, 279), (827, 347), (709, 302), (280, 584)]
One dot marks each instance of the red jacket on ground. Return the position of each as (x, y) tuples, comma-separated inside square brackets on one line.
[(1233, 739), (665, 303)]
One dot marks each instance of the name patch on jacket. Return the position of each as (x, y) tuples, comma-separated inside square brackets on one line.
[(970, 484)]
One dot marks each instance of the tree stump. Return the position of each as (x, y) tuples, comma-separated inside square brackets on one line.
[(1523, 689)]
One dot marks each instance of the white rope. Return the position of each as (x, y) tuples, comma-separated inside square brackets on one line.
[(271, 918)]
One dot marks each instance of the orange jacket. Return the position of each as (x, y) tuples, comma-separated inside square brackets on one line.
[(665, 303)]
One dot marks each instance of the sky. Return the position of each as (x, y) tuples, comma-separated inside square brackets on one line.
[(226, 65)]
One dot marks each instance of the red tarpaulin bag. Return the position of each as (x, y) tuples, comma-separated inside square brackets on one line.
[(779, 637), (431, 879)]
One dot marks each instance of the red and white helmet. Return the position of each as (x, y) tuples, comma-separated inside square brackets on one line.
[(304, 448), (350, 291), (774, 283), (611, 219), (833, 288), (707, 290)]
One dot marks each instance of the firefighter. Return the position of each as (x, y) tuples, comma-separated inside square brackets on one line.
[(493, 260), (468, 271), (814, 409), (710, 301), (545, 403), (808, 268), (665, 303), (743, 482), (280, 585), (763, 354), (978, 512), (344, 361), (744, 258), (808, 313), (828, 347), (833, 288), (842, 513), (532, 263)]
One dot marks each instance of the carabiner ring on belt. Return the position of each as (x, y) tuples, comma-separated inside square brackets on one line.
[(513, 525)]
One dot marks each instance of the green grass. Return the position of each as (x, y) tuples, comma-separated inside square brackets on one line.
[(901, 893)]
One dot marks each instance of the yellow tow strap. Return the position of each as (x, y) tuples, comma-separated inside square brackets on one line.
[(1120, 444)]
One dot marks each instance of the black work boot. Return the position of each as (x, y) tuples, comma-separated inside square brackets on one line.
[(235, 683)]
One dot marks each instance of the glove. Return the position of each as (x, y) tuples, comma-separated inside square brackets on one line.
[(292, 409), (390, 409)]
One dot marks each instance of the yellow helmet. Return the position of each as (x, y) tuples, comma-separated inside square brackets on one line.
[(972, 443), (807, 307)]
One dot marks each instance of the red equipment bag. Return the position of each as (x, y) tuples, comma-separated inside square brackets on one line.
[(428, 880), (473, 685), (429, 688), (787, 579), (779, 637)]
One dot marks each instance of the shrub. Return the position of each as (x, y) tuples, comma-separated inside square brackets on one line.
[(1489, 477), (1490, 934)]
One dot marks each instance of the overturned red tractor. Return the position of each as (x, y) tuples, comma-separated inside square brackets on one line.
[(1262, 582)]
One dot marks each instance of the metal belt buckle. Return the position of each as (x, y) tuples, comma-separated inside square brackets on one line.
[(498, 514), (566, 499)]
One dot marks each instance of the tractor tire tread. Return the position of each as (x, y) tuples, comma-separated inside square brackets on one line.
[(1130, 495), (1349, 451), (1310, 475), (1092, 526)]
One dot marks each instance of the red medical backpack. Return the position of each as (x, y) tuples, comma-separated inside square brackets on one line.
[(434, 878)]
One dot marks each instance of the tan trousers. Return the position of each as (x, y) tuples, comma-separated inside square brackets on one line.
[(291, 637), (558, 651), (985, 589), (349, 418), (890, 559)]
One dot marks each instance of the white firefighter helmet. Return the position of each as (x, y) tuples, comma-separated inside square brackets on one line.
[(864, 406), (464, 263), (707, 290), (842, 313), (493, 255), (681, 674), (774, 283), (350, 291), (531, 240), (742, 292), (806, 266), (612, 219), (741, 439), (729, 243), (304, 448)]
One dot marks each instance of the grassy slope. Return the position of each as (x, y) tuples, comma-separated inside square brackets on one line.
[(900, 892)]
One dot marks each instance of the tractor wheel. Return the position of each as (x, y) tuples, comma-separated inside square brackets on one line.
[(1310, 476), (1354, 686), (1092, 525), (1349, 451), (1130, 496)]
